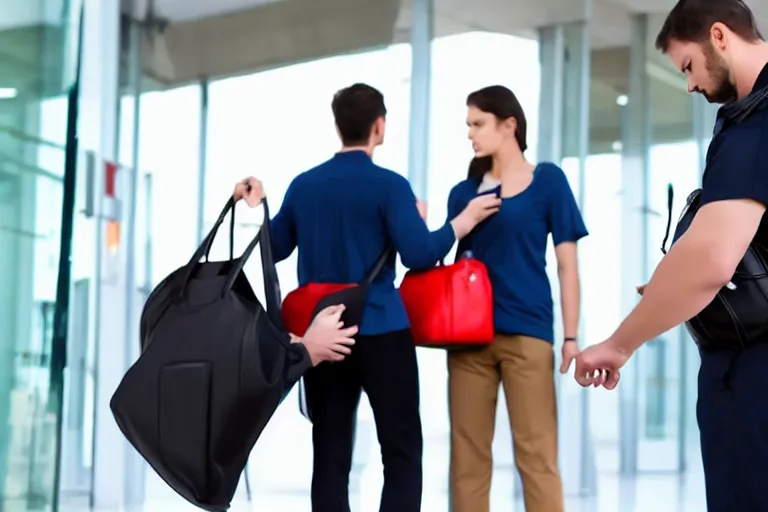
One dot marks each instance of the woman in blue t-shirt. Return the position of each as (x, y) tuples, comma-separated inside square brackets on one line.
[(536, 201)]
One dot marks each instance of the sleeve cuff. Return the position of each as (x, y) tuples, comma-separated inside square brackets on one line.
[(445, 240), (573, 237)]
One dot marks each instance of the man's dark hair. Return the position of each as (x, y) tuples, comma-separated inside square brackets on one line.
[(691, 20), (355, 110)]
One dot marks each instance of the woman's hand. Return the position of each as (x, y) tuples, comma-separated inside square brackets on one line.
[(251, 190), (570, 352)]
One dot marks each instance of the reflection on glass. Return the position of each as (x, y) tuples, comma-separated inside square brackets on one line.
[(35, 78)]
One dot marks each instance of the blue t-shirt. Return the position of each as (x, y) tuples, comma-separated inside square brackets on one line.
[(513, 246), (342, 215)]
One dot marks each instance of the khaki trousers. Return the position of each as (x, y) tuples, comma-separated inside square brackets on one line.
[(525, 367)]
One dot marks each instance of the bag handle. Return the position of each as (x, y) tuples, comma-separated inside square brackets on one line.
[(370, 277), (209, 241), (205, 247), (271, 283)]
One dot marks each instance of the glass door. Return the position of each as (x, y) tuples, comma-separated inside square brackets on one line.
[(36, 145)]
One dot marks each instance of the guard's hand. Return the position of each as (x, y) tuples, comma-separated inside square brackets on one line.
[(327, 339), (570, 352), (599, 365), (250, 189)]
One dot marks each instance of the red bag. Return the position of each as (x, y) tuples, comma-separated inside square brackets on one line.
[(299, 306), (450, 306), (302, 304)]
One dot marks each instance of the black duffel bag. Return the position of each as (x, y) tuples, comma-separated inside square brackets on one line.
[(214, 368)]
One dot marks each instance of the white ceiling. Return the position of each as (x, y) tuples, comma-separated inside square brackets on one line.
[(217, 38), (188, 10), (610, 16)]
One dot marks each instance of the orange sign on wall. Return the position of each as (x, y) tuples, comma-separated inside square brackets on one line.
[(112, 206)]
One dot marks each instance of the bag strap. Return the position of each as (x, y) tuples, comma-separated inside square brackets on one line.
[(205, 246), (375, 270), (670, 202), (209, 241), (271, 283)]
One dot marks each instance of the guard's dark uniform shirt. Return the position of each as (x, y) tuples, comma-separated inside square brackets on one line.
[(732, 408)]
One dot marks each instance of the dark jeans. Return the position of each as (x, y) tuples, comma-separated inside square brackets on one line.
[(385, 367), (732, 411)]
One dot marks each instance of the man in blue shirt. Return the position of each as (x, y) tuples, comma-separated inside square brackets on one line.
[(717, 45), (342, 215)]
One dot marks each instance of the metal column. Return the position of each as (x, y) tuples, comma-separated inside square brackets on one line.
[(564, 131), (135, 470), (99, 132), (636, 139), (203, 163), (422, 20), (551, 57)]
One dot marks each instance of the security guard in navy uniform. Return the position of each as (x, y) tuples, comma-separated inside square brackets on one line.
[(714, 277)]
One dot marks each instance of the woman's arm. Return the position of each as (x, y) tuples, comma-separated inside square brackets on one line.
[(568, 275), (567, 227)]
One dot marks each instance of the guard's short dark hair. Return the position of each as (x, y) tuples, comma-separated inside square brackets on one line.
[(691, 20), (355, 110)]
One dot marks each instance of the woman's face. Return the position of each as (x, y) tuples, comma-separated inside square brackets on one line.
[(486, 132)]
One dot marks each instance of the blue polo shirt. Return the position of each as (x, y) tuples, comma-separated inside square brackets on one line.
[(341, 215), (737, 158), (513, 246), (731, 408)]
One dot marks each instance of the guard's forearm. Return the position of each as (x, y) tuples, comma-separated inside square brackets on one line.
[(684, 283)]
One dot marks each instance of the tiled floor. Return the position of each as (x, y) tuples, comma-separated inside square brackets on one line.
[(643, 494), (646, 493), (280, 472)]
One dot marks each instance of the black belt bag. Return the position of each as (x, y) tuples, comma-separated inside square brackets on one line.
[(738, 315)]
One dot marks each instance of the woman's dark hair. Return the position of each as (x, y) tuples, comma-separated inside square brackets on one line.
[(503, 104)]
